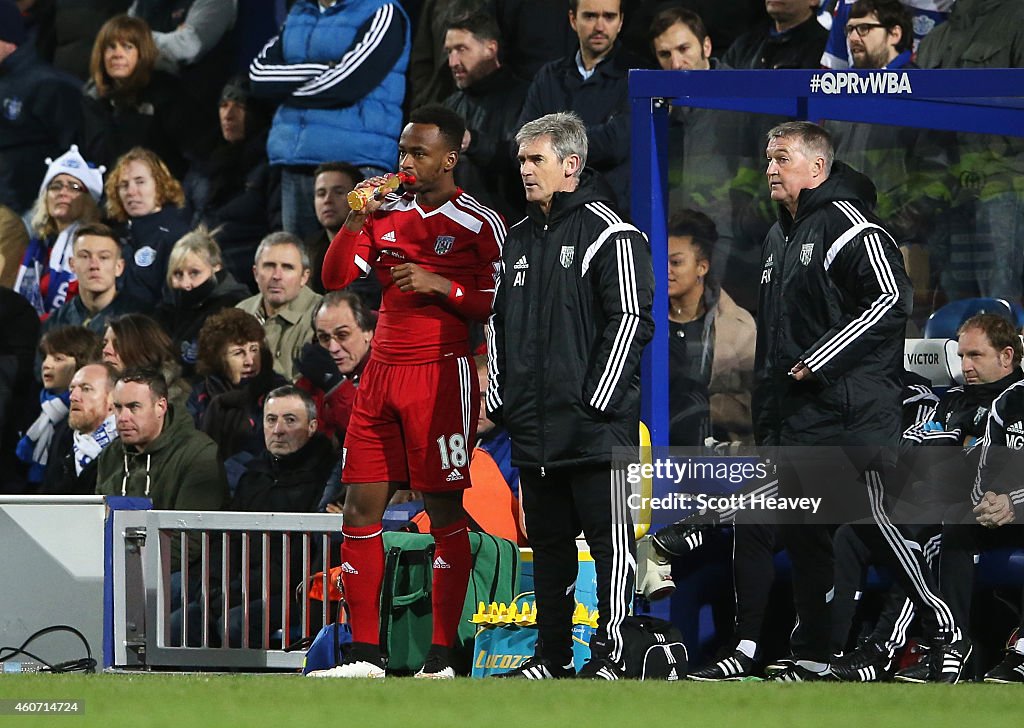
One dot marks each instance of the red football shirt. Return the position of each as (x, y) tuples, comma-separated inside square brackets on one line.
[(460, 240)]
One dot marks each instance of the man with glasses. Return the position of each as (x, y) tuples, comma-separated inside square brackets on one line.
[(922, 15), (879, 34)]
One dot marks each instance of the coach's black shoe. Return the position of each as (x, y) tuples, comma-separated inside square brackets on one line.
[(795, 673), (1009, 671), (538, 668), (601, 668), (870, 662), (947, 659), (682, 537), (916, 673), (735, 667)]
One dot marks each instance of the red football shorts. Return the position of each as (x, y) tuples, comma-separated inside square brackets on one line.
[(415, 424)]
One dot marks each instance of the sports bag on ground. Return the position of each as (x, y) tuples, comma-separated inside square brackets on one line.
[(653, 649)]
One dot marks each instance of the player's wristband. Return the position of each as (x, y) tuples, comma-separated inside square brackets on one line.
[(457, 292)]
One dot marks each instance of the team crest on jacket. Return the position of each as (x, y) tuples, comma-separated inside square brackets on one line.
[(443, 244), (806, 251), (568, 251), (12, 108)]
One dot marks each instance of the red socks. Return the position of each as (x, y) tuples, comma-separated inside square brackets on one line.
[(452, 563), (362, 573)]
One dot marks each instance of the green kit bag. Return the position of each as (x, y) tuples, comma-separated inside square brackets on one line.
[(405, 610)]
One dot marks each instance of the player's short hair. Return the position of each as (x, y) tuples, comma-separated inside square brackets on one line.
[(566, 130), (290, 390), (282, 238), (999, 330), (365, 318), (152, 378), (699, 227), (815, 140), (450, 123), (890, 13), (574, 4), (667, 17)]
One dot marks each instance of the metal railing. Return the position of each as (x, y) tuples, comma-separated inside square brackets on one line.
[(218, 590)]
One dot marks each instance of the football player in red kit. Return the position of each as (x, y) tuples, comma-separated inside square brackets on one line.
[(435, 250)]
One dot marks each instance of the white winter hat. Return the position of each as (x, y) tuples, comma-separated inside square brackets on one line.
[(74, 164)]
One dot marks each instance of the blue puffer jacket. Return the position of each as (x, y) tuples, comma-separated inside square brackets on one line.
[(340, 77)]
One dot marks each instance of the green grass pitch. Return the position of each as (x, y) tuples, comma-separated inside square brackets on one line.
[(285, 701)]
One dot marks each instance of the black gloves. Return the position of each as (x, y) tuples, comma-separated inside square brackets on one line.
[(316, 365)]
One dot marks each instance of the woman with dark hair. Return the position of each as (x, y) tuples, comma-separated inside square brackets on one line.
[(135, 341), (145, 197), (199, 287), (128, 103), (238, 371), (711, 357)]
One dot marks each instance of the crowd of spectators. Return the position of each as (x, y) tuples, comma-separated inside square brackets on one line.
[(172, 174)]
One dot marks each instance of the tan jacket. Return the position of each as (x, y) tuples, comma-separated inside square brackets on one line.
[(732, 370), (288, 330)]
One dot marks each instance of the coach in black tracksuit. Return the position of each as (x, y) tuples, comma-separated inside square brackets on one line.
[(572, 315), (834, 301)]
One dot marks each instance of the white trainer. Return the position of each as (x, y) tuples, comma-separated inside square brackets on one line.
[(446, 674), (360, 668)]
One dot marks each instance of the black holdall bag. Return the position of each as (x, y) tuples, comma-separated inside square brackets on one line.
[(653, 649)]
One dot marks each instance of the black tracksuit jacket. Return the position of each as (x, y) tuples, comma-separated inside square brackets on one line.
[(572, 314), (835, 295)]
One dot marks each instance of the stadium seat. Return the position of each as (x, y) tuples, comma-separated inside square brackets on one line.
[(943, 323)]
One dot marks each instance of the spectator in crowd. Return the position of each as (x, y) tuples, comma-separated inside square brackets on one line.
[(237, 374), (332, 364), (923, 16), (147, 200), (288, 477), (135, 341), (592, 83), (535, 33), (724, 21), (416, 391), (195, 41), (430, 81), (711, 364), (199, 287), (40, 115), (97, 264), (793, 38), (989, 355), (19, 332), (88, 429), (285, 303), (64, 350), (975, 242), (332, 181), (234, 190), (710, 152), (338, 71), (489, 98), (906, 164), (13, 242), (128, 103), (578, 277), (68, 197), (160, 455), (838, 328)]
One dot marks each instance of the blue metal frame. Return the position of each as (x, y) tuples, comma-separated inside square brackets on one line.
[(984, 101)]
